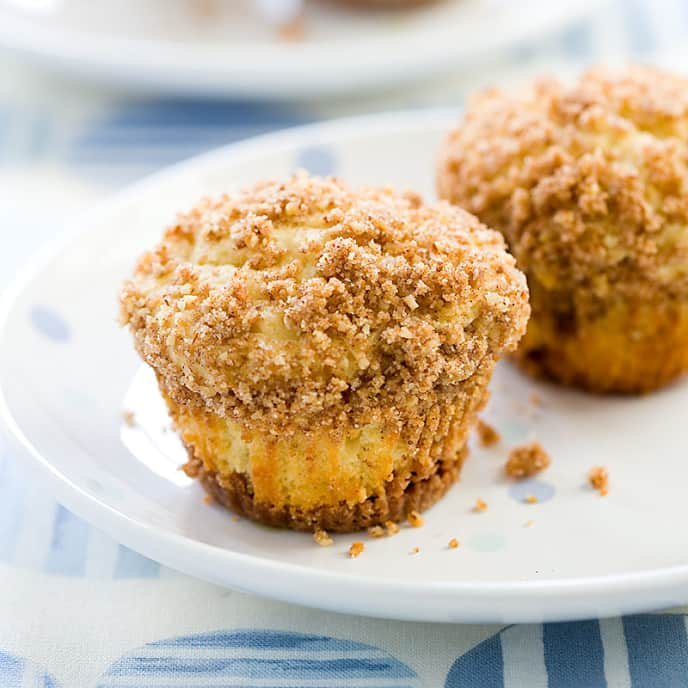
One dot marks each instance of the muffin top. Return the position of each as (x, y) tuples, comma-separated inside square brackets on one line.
[(588, 181), (305, 301)]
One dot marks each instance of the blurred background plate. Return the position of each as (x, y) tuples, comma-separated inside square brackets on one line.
[(235, 48)]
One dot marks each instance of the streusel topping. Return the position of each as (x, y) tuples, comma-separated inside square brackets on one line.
[(305, 301)]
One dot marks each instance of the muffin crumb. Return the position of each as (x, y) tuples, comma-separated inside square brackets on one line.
[(322, 537), (480, 505), (356, 549), (377, 532), (129, 418), (415, 550), (392, 528), (599, 479), (208, 499), (531, 499), (526, 460), (528, 524), (453, 543), (415, 519), (236, 518), (487, 435)]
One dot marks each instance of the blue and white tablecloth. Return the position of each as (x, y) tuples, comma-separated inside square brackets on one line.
[(77, 610)]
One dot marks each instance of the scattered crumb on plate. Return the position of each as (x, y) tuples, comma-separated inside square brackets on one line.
[(356, 549), (453, 543), (322, 537), (531, 499), (480, 505), (415, 519), (487, 435), (599, 479), (208, 499), (528, 524), (377, 532), (526, 460), (415, 550), (129, 418), (236, 518)]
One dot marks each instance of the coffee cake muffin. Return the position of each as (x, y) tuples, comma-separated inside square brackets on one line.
[(589, 184), (323, 351)]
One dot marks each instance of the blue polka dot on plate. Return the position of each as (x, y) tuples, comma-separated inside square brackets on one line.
[(539, 489), (317, 160), (49, 323)]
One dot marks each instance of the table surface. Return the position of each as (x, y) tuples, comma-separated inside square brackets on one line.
[(78, 610)]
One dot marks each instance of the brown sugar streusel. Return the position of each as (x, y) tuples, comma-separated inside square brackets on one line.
[(392, 528), (415, 519), (323, 538), (527, 460), (356, 549), (487, 435), (599, 479)]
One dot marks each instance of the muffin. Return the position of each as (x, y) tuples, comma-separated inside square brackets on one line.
[(323, 352), (589, 184)]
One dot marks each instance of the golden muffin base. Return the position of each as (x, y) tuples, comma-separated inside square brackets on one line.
[(629, 349), (265, 491), (400, 497)]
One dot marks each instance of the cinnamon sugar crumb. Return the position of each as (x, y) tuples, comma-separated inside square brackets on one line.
[(480, 505), (129, 418), (599, 479), (487, 435), (415, 519), (526, 460), (453, 543), (415, 550), (323, 538), (392, 528), (356, 549), (377, 532)]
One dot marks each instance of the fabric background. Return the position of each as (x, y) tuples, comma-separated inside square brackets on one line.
[(78, 610)]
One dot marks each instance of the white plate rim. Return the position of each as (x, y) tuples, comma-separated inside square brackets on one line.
[(486, 602)]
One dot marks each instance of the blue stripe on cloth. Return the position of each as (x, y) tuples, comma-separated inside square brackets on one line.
[(242, 667), (637, 26), (11, 671), (574, 655), (266, 640), (657, 650), (69, 545), (11, 504), (577, 40), (482, 666), (130, 564)]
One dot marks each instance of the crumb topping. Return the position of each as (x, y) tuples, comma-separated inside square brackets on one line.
[(392, 528), (527, 460), (415, 519), (588, 182), (304, 301), (599, 479), (377, 532), (356, 549), (487, 435), (323, 538)]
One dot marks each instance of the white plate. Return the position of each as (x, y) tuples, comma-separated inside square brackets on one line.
[(67, 372), (164, 45)]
